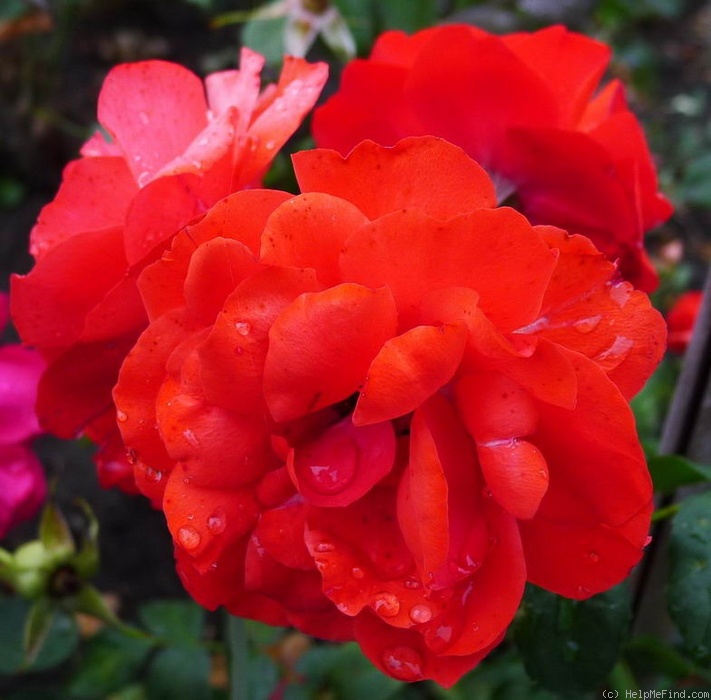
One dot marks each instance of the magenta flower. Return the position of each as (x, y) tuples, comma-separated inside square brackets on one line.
[(22, 482)]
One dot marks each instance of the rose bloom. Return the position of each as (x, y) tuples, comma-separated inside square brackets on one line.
[(681, 319), (176, 148), (375, 410), (529, 108), (22, 482)]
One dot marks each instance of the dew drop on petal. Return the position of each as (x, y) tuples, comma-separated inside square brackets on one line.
[(386, 604), (143, 179), (270, 145), (420, 614), (357, 572), (412, 583), (403, 663), (217, 522), (620, 293), (587, 325), (131, 456), (153, 475), (243, 328), (121, 416), (593, 556), (188, 538), (324, 547), (191, 438)]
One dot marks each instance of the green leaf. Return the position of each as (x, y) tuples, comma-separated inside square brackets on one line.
[(60, 641), (111, 661), (54, 532), (179, 622), (648, 652), (696, 181), (359, 15), (346, 672), (267, 37), (690, 574), (669, 472), (12, 9), (37, 625), (407, 15), (501, 676), (570, 646), (179, 674)]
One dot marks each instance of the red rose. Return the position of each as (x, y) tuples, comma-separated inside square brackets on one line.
[(374, 410), (525, 107), (681, 319), (173, 154)]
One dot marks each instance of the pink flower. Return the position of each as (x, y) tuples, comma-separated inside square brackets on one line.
[(22, 483)]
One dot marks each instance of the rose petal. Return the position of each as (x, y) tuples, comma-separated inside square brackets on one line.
[(427, 174), (320, 347), (407, 370)]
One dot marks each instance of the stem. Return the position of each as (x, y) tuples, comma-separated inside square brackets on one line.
[(622, 679), (665, 512), (237, 645)]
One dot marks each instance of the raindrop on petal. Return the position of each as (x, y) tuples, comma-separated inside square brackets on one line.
[(403, 663), (324, 547), (386, 604), (420, 614), (357, 572), (587, 325), (121, 416), (188, 538), (243, 328), (217, 522)]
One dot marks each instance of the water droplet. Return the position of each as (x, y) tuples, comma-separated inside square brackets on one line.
[(403, 663), (243, 328), (386, 604), (420, 614), (621, 346), (191, 438), (188, 538), (217, 522), (270, 145), (357, 572), (486, 493), (324, 547), (143, 179), (121, 416), (412, 583), (593, 556), (239, 350), (475, 627), (620, 293), (152, 475), (587, 325), (131, 456)]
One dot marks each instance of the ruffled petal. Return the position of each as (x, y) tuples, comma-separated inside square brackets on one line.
[(321, 346), (500, 92), (570, 64), (403, 655), (232, 356), (588, 310), (49, 304), (323, 222), (427, 174), (94, 195), (168, 109), (343, 463), (413, 254), (407, 370)]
